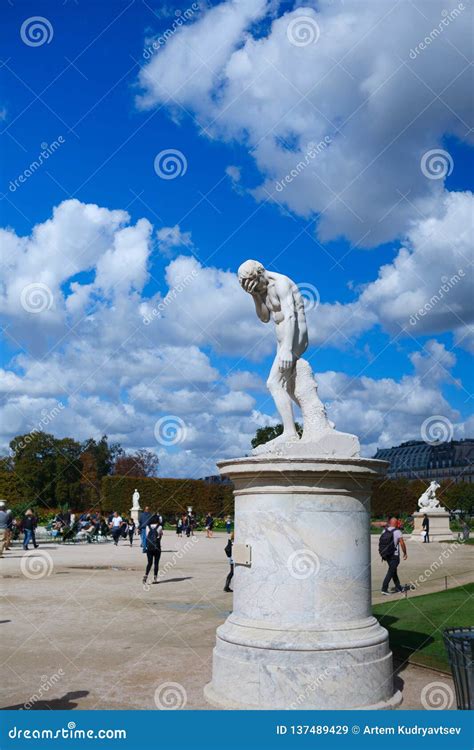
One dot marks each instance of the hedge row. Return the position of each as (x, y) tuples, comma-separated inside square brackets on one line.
[(168, 496)]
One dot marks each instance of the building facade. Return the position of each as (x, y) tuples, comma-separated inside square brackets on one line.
[(416, 459)]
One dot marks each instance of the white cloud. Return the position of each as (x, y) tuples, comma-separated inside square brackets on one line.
[(170, 238), (357, 84)]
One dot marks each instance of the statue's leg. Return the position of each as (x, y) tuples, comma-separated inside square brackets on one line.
[(306, 395), (277, 385)]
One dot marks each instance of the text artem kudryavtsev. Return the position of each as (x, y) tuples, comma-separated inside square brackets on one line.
[(416, 729)]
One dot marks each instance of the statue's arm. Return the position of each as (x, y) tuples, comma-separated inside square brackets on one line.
[(287, 303), (261, 309)]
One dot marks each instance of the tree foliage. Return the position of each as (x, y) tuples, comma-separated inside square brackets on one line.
[(265, 434)]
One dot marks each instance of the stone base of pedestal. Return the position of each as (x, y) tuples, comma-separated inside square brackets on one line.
[(439, 526), (135, 513), (302, 634)]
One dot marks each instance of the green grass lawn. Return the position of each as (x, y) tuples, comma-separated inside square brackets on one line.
[(416, 624)]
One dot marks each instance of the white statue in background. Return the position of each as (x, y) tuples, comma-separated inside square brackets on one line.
[(428, 500), (136, 500), (291, 378)]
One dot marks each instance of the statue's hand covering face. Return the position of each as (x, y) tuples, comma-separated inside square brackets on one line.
[(252, 276)]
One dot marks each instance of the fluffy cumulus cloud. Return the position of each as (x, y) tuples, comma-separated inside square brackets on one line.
[(427, 289), (338, 102)]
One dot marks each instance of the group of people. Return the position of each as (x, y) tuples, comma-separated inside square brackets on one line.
[(11, 528)]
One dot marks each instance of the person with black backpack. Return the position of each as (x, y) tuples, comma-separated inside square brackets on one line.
[(390, 541), (153, 547)]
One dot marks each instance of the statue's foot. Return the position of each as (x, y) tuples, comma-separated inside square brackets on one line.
[(273, 446)]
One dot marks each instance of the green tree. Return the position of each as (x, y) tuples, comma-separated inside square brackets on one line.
[(35, 465), (265, 434)]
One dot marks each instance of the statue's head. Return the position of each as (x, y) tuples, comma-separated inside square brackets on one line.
[(252, 276)]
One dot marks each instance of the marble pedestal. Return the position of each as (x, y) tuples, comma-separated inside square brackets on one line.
[(301, 634), (439, 526), (135, 513)]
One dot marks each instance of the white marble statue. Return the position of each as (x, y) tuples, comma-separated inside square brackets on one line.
[(428, 500), (291, 378), (136, 500)]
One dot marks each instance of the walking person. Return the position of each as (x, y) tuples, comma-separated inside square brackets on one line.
[(29, 524), (209, 523), (142, 524), (228, 551), (426, 528), (131, 530), (390, 541), (116, 527), (153, 547), (6, 521), (179, 526), (228, 524)]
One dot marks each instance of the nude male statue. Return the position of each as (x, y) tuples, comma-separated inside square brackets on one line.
[(291, 379)]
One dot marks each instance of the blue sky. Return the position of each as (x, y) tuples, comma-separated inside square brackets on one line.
[(241, 123)]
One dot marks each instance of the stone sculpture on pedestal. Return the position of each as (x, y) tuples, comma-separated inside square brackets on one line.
[(438, 516), (301, 634), (135, 509)]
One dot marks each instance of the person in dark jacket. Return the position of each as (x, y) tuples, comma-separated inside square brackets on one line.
[(29, 525), (145, 516), (153, 547), (131, 530), (426, 528), (228, 551)]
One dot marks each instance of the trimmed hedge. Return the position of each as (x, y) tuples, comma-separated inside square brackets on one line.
[(167, 496)]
